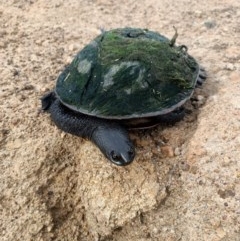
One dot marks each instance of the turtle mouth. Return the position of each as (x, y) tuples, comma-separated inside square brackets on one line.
[(122, 159), (121, 163)]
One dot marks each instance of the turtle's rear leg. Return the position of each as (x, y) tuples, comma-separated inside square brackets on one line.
[(47, 100), (172, 117)]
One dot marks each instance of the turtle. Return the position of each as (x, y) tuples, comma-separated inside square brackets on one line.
[(125, 78)]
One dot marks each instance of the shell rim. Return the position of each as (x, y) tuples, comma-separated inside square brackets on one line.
[(133, 116)]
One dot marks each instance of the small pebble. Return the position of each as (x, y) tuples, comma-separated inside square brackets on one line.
[(155, 230), (142, 142), (33, 57), (185, 166), (200, 97), (177, 151), (226, 193), (155, 151), (201, 100), (68, 59), (2, 33), (215, 222), (15, 121), (210, 24), (2, 44), (232, 53), (73, 47), (229, 66), (15, 72), (221, 233), (44, 89), (198, 13), (57, 5), (167, 151), (193, 169), (226, 204), (39, 41)]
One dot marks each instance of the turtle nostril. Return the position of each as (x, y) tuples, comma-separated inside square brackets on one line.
[(130, 153), (114, 156)]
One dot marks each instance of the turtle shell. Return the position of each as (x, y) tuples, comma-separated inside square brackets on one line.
[(128, 73)]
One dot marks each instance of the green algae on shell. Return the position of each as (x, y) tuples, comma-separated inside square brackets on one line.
[(128, 73)]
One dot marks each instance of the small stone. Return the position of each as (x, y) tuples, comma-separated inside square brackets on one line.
[(226, 204), (15, 72), (33, 57), (221, 233), (49, 228), (39, 41), (164, 229), (215, 223), (214, 98), (232, 53), (143, 142), (238, 174), (15, 121), (3, 33), (45, 43), (155, 230), (230, 66), (185, 166), (210, 24), (44, 89), (73, 47), (198, 13), (193, 169), (2, 44), (57, 5), (167, 151), (177, 151), (28, 87), (201, 100), (22, 97), (155, 151), (199, 151), (200, 97), (2, 115), (226, 193), (68, 59)]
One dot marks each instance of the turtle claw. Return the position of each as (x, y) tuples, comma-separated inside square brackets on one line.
[(202, 75)]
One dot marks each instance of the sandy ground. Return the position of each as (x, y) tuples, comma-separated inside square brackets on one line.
[(185, 181)]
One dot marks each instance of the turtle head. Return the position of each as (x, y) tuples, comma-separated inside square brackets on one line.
[(114, 142)]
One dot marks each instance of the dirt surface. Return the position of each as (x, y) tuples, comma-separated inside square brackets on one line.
[(185, 181)]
